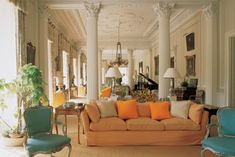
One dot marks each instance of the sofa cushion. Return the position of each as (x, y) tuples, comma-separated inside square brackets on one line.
[(143, 109), (180, 124), (109, 124), (195, 112), (107, 108), (160, 110), (127, 109), (93, 111), (144, 123), (106, 92), (180, 109)]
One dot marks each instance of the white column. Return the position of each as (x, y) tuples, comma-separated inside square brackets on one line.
[(210, 13), (100, 68), (92, 50), (43, 45), (163, 9), (130, 68)]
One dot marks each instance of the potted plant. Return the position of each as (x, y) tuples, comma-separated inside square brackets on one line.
[(28, 86)]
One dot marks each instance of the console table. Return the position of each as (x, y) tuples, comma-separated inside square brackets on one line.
[(68, 111), (212, 109)]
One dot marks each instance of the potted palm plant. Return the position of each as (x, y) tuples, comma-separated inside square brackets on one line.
[(28, 86)]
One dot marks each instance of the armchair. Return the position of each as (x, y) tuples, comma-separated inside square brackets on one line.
[(224, 144), (40, 139)]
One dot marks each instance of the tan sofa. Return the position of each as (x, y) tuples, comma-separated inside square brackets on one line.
[(141, 131)]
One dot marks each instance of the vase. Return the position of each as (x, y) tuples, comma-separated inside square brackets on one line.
[(12, 142)]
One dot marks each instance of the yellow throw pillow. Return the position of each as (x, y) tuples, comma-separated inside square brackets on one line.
[(127, 109), (106, 92), (160, 110)]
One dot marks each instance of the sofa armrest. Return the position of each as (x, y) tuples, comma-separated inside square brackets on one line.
[(204, 121), (85, 121)]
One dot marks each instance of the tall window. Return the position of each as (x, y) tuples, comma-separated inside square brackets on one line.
[(75, 71), (65, 69), (123, 71)]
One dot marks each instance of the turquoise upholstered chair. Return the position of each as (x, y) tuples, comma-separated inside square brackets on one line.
[(39, 132), (224, 143)]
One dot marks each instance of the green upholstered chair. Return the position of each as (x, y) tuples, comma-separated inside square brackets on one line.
[(40, 139), (224, 143)]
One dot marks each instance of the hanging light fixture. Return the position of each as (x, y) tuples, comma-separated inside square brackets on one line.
[(119, 61)]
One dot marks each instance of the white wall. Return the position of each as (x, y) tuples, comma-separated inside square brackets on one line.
[(226, 27)]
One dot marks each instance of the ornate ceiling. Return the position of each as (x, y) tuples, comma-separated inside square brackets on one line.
[(138, 22)]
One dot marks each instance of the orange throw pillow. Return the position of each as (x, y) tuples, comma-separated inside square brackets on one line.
[(127, 109), (160, 110), (106, 92), (195, 112)]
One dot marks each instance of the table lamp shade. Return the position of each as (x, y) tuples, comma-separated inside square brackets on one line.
[(59, 99), (171, 73), (113, 72)]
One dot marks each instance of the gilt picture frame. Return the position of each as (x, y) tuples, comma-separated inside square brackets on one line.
[(190, 65)]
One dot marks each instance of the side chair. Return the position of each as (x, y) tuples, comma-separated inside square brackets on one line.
[(40, 139), (224, 144)]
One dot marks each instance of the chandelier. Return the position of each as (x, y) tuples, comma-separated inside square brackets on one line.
[(119, 61)]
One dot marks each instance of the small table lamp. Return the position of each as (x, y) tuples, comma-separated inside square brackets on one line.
[(171, 73), (113, 72)]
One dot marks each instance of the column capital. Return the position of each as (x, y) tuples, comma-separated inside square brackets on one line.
[(92, 9), (212, 9), (130, 51), (163, 9), (43, 9)]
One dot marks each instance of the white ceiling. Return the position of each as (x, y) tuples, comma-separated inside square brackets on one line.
[(137, 19)]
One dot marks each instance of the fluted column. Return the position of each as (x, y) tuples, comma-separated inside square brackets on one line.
[(163, 10), (130, 68), (211, 14), (100, 68), (92, 10), (43, 46)]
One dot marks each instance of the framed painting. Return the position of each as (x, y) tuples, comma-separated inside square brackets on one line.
[(31, 50), (190, 41), (190, 65)]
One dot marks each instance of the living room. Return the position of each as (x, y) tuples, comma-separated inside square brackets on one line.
[(75, 42)]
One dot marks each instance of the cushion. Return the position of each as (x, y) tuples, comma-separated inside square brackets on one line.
[(180, 109), (224, 145), (160, 110), (46, 142), (144, 124), (143, 109), (106, 92), (107, 108), (109, 124), (195, 112), (180, 124), (127, 109), (93, 111)]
